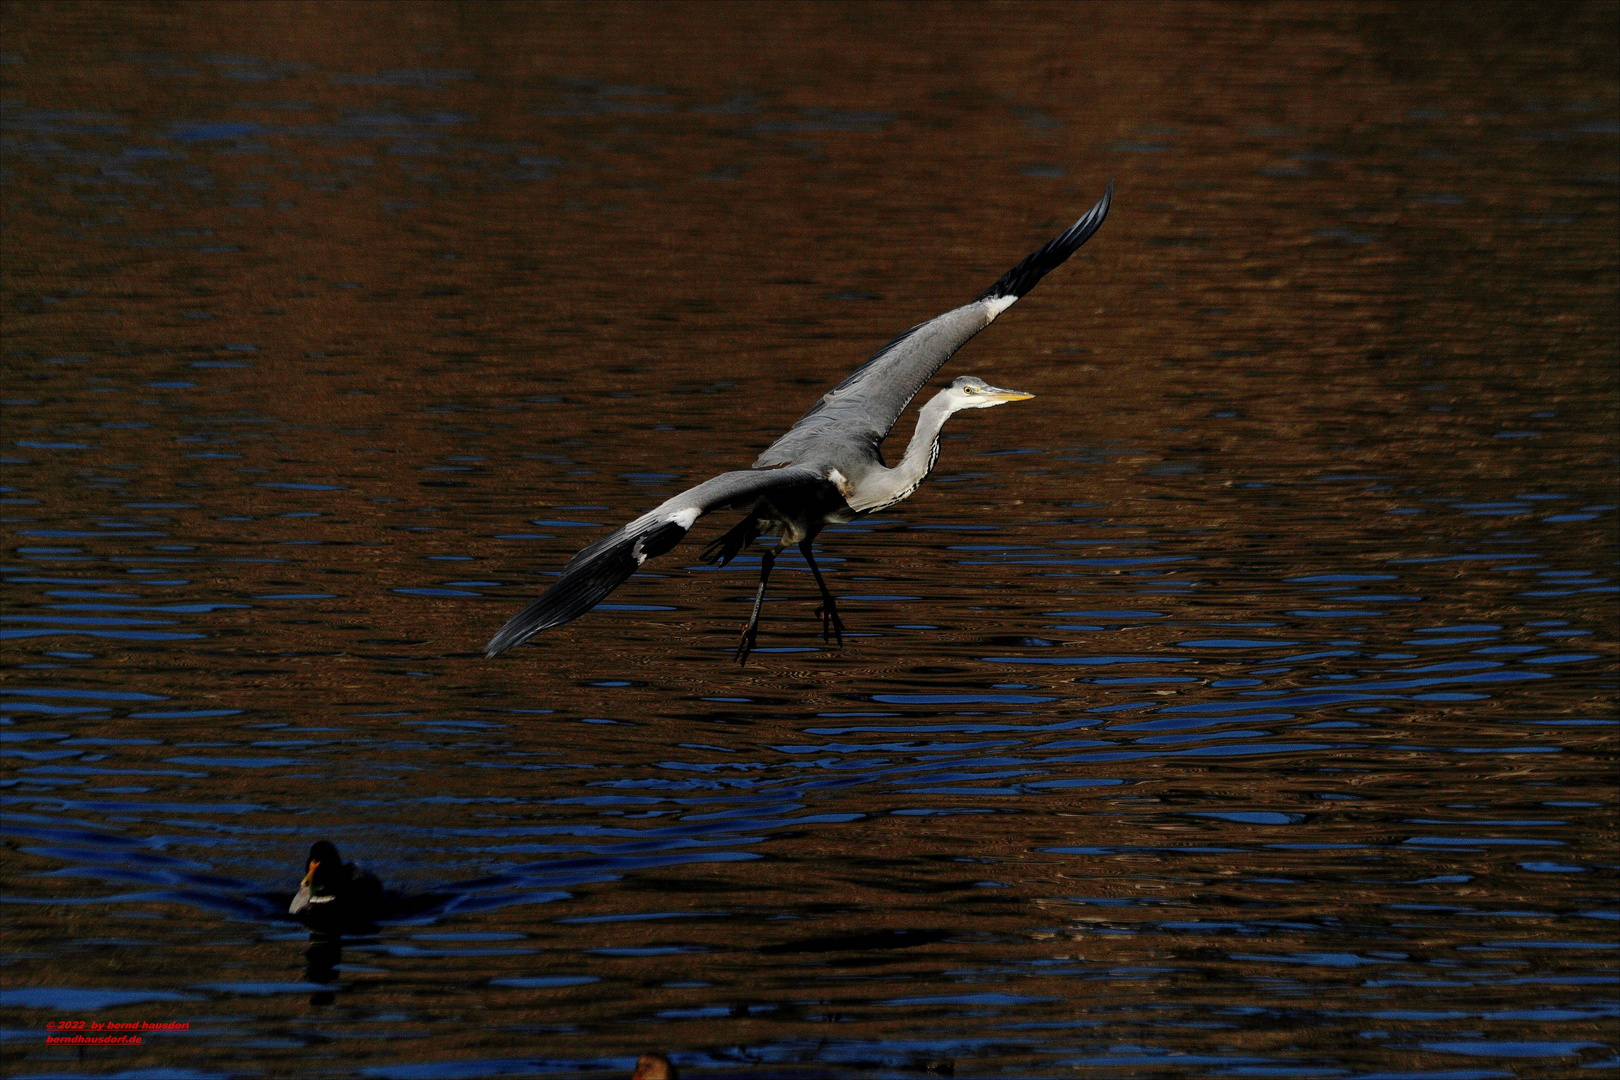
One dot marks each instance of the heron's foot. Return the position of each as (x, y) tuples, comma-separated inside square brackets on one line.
[(831, 625), (750, 636)]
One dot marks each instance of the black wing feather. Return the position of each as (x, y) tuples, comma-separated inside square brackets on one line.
[(857, 414), (585, 583), (1051, 255), (608, 562)]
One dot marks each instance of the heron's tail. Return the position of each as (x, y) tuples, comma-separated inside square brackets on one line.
[(588, 578)]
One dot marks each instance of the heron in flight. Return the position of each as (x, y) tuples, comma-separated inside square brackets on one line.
[(828, 468)]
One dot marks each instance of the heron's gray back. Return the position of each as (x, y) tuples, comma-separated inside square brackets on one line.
[(739, 490), (851, 419)]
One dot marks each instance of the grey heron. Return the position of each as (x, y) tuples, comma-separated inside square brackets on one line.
[(828, 468)]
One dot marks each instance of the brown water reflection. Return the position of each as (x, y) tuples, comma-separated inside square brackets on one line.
[(1242, 703)]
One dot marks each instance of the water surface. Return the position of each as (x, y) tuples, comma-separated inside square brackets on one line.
[(1243, 705)]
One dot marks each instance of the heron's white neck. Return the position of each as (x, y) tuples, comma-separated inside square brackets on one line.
[(885, 487)]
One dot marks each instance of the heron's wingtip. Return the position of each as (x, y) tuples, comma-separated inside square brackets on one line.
[(515, 632), (1094, 217), (508, 636), (1022, 278)]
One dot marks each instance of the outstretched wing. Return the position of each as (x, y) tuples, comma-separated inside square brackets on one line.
[(605, 564), (863, 407)]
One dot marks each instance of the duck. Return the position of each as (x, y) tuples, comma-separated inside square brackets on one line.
[(336, 898), (654, 1066)]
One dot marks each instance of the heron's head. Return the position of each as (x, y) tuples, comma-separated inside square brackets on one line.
[(968, 392)]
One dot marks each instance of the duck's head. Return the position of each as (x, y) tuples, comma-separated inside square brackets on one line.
[(324, 873), (325, 866), (654, 1067)]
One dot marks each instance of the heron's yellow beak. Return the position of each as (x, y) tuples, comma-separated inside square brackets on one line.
[(1010, 395)]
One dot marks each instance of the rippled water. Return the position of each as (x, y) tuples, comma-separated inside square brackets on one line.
[(1244, 705)]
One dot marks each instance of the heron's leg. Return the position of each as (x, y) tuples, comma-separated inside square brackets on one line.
[(829, 607), (751, 632)]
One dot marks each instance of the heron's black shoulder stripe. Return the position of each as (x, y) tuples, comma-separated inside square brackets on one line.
[(1022, 278)]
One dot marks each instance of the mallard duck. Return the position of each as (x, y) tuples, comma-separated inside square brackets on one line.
[(334, 897)]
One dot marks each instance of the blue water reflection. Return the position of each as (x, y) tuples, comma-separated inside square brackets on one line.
[(1244, 709)]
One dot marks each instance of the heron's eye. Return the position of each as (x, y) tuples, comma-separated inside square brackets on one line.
[(970, 389)]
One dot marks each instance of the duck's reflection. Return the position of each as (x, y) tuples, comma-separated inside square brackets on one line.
[(321, 961), (322, 958)]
